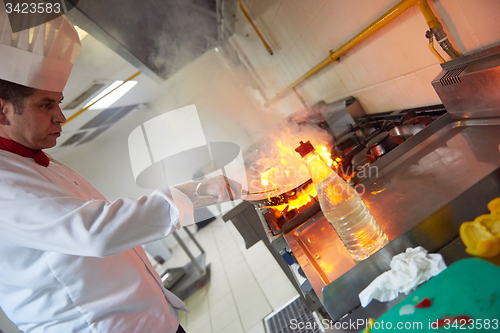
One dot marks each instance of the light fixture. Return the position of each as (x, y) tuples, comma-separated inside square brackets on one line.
[(110, 99), (81, 33)]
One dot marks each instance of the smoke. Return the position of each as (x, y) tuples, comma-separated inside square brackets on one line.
[(189, 30), (276, 153), (231, 100), (230, 107)]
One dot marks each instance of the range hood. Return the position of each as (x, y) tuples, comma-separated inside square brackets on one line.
[(159, 37)]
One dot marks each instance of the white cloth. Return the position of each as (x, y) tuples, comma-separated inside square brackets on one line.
[(72, 262), (408, 271)]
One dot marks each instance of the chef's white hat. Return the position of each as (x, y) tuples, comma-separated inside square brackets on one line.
[(40, 57)]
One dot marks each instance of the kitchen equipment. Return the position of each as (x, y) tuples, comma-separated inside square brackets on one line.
[(380, 145), (246, 192), (279, 211), (277, 194), (467, 287), (405, 131), (372, 136), (185, 281), (420, 192), (305, 229), (468, 85)]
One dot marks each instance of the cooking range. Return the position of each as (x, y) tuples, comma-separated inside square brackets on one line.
[(373, 136), (363, 142), (421, 172)]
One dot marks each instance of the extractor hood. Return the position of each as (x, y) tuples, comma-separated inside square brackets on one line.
[(157, 36)]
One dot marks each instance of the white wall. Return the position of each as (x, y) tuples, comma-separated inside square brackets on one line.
[(391, 70)]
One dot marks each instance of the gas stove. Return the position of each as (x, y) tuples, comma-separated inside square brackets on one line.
[(371, 137), (362, 143)]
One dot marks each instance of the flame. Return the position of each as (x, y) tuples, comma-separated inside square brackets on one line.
[(284, 150), (325, 155), (264, 177), (348, 178), (303, 198), (377, 192)]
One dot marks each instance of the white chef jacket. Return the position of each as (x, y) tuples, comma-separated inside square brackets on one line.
[(70, 261)]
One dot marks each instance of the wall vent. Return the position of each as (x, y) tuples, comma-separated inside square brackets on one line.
[(98, 124), (452, 76), (84, 96)]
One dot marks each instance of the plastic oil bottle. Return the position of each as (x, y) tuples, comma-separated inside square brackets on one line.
[(343, 207)]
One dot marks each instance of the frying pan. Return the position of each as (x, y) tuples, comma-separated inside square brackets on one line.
[(275, 197), (410, 127)]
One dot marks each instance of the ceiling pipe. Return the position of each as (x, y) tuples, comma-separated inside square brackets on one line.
[(383, 20), (437, 30), (88, 106), (430, 36), (268, 48)]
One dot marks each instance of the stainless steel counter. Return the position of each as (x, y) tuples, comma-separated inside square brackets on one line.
[(443, 178)]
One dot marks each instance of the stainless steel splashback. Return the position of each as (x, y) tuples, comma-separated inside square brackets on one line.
[(469, 86)]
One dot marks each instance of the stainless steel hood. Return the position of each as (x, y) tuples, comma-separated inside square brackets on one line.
[(469, 86), (158, 36)]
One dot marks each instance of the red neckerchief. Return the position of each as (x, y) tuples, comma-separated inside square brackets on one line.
[(16, 148)]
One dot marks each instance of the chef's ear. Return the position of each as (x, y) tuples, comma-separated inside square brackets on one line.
[(4, 105)]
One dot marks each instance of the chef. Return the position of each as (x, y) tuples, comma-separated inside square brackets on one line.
[(70, 260)]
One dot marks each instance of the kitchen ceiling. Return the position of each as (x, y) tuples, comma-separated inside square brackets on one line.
[(159, 37), (156, 37)]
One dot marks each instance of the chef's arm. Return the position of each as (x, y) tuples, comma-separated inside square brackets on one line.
[(93, 228), (37, 214), (211, 191)]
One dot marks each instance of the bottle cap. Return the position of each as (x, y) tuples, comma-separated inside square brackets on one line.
[(304, 148)]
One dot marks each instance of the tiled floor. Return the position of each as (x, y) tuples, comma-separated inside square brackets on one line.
[(246, 284)]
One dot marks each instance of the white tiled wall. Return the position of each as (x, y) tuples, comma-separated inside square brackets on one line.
[(390, 70)]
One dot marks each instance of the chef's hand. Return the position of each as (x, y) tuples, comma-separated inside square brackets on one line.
[(211, 191)]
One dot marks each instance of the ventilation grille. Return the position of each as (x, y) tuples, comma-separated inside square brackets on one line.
[(293, 318), (94, 127), (452, 76), (83, 96)]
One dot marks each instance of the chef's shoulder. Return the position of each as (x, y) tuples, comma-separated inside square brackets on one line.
[(20, 175)]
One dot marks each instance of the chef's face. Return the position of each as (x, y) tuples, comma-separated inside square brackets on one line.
[(38, 125)]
